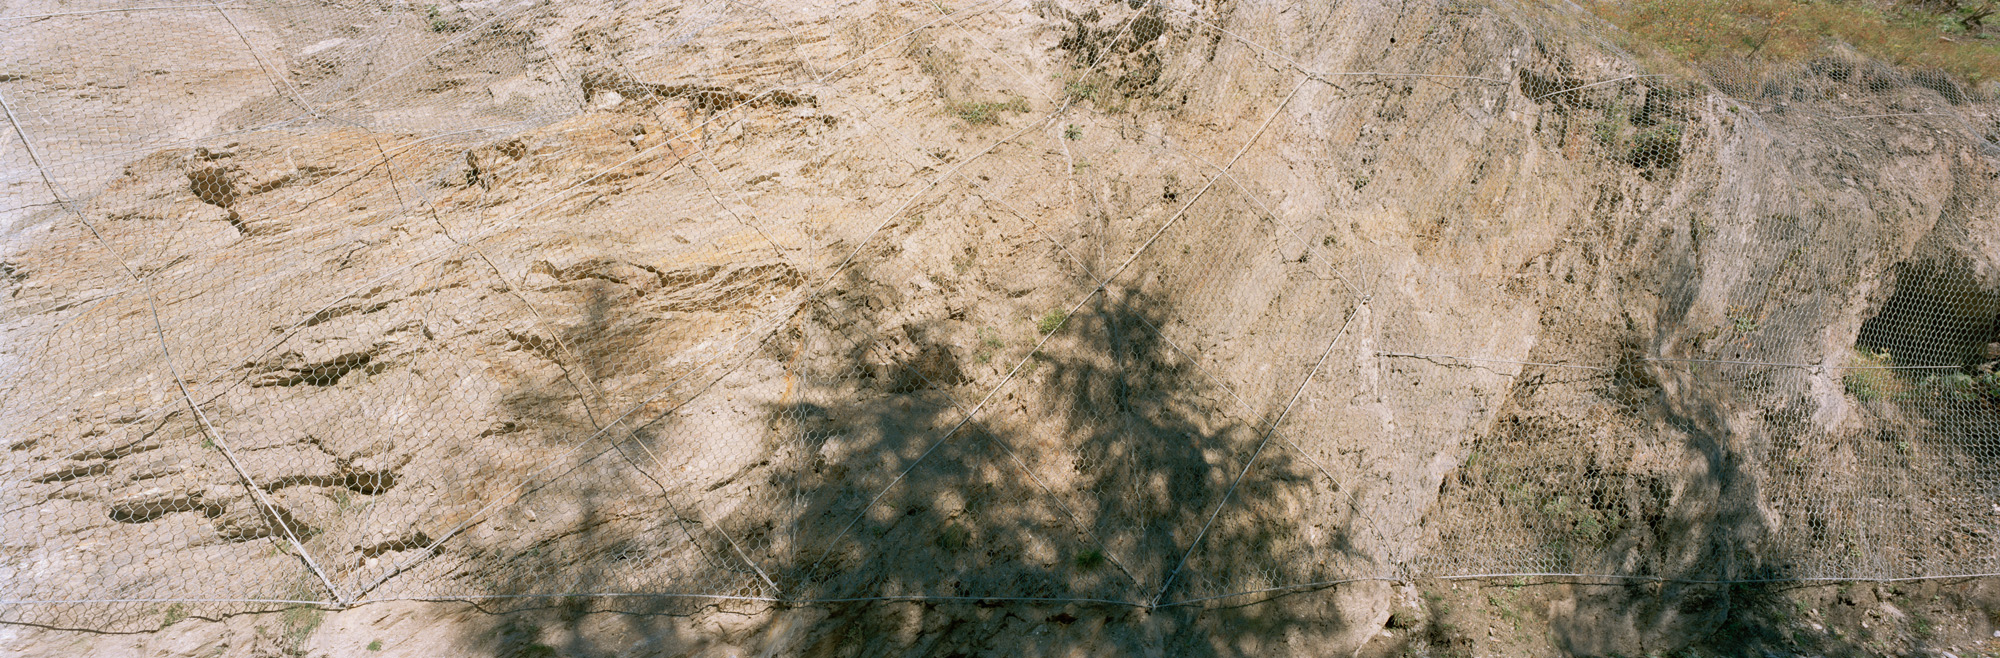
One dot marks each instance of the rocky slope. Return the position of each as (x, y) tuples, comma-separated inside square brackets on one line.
[(1066, 327)]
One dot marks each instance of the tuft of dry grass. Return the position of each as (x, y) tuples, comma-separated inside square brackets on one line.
[(1947, 36), (986, 113)]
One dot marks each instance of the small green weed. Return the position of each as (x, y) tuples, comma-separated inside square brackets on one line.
[(175, 613), (1072, 133), (1506, 610), (1090, 559), (436, 16), (1660, 146), (1077, 90), (1607, 132), (375, 645), (1741, 320), (1050, 322), (989, 345)]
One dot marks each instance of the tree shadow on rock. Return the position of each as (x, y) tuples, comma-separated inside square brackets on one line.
[(1698, 523), (601, 553), (1046, 524)]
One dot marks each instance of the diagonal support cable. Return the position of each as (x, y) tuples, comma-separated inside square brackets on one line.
[(1260, 451)]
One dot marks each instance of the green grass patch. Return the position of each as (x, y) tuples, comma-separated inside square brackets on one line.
[(1090, 559), (1050, 322)]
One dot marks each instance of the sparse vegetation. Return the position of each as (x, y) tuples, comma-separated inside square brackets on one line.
[(989, 345), (1658, 146), (1921, 626), (438, 23), (299, 621), (1050, 322), (1505, 608), (1870, 378), (1078, 90), (375, 645), (1967, 387), (1742, 320), (175, 613), (1090, 559), (986, 113), (1608, 130), (1948, 35), (1585, 525), (954, 537), (1072, 133)]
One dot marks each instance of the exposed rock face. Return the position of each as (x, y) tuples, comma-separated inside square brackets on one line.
[(1161, 309)]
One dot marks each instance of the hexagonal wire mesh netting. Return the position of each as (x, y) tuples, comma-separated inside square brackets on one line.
[(1146, 303)]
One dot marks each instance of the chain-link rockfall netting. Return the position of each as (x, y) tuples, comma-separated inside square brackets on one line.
[(1155, 303)]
